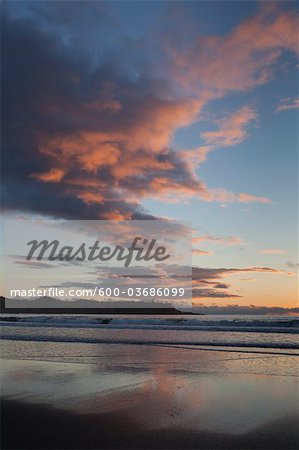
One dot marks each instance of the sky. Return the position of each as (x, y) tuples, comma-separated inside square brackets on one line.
[(145, 110)]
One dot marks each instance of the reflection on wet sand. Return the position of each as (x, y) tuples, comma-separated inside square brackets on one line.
[(150, 398)]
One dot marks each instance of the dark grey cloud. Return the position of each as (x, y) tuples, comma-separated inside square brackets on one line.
[(213, 293), (212, 277), (35, 264), (200, 274), (55, 99)]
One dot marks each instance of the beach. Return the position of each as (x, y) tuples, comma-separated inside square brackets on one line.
[(147, 396)]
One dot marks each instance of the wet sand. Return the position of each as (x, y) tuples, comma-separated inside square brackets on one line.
[(27, 426), (126, 396)]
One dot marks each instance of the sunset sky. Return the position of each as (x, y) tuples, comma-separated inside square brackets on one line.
[(142, 110)]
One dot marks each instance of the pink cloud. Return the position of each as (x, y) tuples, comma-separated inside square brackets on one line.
[(54, 175), (223, 196), (232, 130), (240, 60), (198, 252), (249, 198), (272, 251), (91, 197), (227, 240), (288, 103)]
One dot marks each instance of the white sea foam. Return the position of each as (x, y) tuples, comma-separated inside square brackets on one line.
[(261, 325), (265, 332)]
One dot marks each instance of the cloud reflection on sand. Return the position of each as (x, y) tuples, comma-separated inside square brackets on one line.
[(155, 387)]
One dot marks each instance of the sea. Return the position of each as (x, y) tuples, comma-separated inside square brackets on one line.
[(245, 332)]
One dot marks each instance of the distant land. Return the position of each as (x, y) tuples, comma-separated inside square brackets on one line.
[(48, 305)]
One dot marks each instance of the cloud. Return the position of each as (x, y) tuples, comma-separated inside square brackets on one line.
[(203, 274), (198, 252), (223, 196), (237, 61), (100, 139), (33, 264), (226, 240), (272, 251), (248, 198), (212, 277), (231, 130), (210, 293), (52, 176), (89, 127), (288, 103)]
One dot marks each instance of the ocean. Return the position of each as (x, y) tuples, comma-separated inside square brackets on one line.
[(241, 331)]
